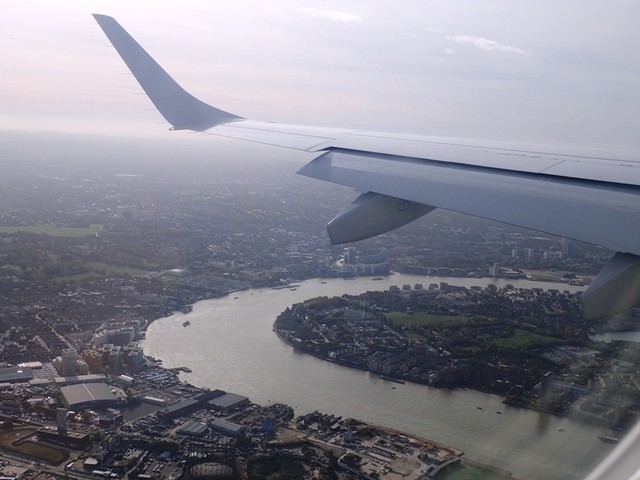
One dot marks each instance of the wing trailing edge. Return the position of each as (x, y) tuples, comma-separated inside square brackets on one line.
[(585, 210), (600, 213)]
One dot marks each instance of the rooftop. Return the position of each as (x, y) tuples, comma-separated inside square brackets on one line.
[(15, 374), (228, 400), (85, 394)]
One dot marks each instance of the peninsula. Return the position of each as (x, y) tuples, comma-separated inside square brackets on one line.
[(528, 345)]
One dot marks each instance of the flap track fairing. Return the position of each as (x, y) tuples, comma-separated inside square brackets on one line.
[(372, 214)]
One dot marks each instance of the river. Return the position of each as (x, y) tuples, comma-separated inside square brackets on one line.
[(230, 345), (628, 336)]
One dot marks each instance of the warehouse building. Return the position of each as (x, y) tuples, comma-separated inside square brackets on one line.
[(193, 428), (178, 409), (88, 395), (15, 375), (228, 428), (227, 402)]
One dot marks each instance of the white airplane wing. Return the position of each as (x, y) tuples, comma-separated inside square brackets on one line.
[(575, 195)]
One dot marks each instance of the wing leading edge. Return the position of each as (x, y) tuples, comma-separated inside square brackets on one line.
[(177, 106), (576, 195)]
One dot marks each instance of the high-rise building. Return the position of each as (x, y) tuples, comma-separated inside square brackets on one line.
[(350, 255), (94, 361), (61, 420), (494, 270), (69, 367)]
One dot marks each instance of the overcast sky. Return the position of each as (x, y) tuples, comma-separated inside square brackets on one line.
[(541, 71)]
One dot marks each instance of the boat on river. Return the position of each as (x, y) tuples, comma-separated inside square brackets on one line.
[(606, 439)]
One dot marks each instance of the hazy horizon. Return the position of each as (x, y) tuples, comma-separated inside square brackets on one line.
[(525, 72)]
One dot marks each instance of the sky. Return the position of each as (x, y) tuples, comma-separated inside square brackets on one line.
[(534, 71)]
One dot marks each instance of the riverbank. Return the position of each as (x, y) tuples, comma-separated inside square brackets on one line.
[(403, 381), (521, 403), (554, 281), (442, 336), (230, 345)]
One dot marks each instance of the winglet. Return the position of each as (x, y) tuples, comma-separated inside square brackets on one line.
[(177, 106)]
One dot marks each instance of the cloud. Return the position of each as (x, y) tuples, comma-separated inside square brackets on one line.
[(332, 15), (485, 44)]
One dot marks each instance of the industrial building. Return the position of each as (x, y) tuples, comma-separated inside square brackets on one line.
[(228, 401), (209, 395), (193, 428), (85, 395), (154, 400), (91, 378), (15, 375), (227, 427), (178, 409), (126, 380)]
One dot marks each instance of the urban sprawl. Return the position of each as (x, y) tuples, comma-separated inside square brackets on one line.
[(96, 246)]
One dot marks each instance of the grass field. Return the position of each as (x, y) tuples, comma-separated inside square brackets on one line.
[(43, 452), (17, 441), (408, 319), (279, 467), (522, 338), (99, 269), (117, 269), (56, 230), (468, 472)]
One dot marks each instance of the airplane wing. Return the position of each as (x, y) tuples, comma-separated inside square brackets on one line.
[(572, 194)]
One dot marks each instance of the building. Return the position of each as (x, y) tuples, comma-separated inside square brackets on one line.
[(134, 355), (15, 375), (15, 472), (115, 359), (204, 397), (68, 367), (494, 270), (350, 255), (126, 380), (10, 404), (120, 336), (228, 428), (88, 395), (178, 409), (228, 401), (97, 378), (69, 439), (31, 365), (93, 359), (193, 428)]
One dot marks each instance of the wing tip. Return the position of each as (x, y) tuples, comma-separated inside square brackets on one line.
[(181, 109), (99, 17)]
